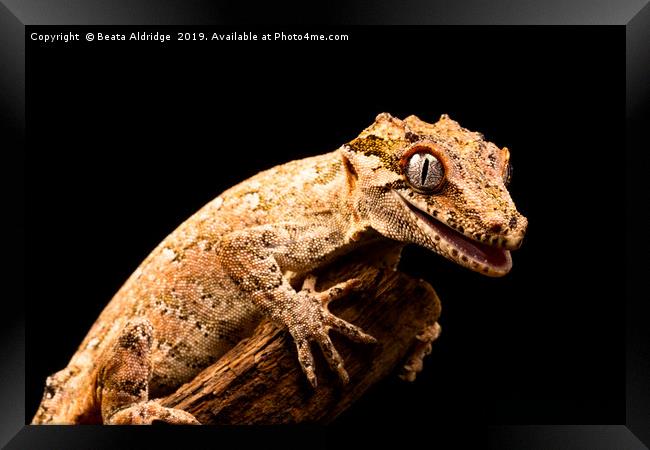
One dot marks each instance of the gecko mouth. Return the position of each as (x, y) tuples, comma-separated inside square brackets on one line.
[(472, 254)]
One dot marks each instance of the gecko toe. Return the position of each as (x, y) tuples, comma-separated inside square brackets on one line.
[(309, 283), (306, 360), (333, 358), (146, 413), (349, 330)]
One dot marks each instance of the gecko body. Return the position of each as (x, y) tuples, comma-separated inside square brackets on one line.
[(210, 282)]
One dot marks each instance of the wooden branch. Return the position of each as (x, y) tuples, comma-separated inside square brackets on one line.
[(259, 381)]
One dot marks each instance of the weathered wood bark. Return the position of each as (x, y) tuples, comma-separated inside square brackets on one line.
[(259, 381)]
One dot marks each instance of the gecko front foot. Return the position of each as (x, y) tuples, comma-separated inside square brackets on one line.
[(149, 412), (311, 322), (422, 348)]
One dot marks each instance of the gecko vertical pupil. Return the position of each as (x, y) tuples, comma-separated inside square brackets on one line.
[(424, 172)]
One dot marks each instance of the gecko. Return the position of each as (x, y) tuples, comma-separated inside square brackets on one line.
[(208, 284)]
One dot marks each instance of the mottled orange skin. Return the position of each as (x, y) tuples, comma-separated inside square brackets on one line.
[(209, 283)]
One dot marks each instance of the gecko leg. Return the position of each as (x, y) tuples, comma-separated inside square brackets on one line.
[(250, 260), (422, 348), (123, 382)]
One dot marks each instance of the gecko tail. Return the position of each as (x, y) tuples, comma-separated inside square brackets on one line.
[(67, 400)]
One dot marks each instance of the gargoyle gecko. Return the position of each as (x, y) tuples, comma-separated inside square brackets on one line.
[(209, 283)]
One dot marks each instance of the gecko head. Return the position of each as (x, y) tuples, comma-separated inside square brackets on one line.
[(437, 185)]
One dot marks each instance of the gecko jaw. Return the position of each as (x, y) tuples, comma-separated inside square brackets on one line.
[(477, 256)]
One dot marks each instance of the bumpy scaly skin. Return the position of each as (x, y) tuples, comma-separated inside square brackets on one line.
[(208, 284)]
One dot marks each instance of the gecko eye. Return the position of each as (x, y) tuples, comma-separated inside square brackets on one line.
[(424, 172)]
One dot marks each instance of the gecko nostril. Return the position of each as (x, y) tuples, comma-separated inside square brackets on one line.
[(513, 222)]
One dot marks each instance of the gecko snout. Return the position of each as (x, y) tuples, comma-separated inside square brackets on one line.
[(513, 233)]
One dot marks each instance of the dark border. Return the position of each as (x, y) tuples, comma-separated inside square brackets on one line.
[(638, 310), (12, 123), (12, 114)]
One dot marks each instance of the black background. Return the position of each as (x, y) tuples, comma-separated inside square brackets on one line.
[(126, 140)]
